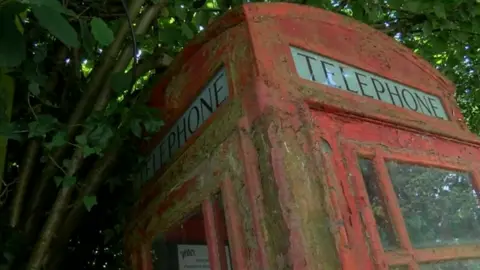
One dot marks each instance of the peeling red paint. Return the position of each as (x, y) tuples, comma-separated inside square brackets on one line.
[(250, 162), (176, 195)]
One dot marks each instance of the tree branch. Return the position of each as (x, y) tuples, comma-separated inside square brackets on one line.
[(26, 168), (58, 211), (98, 75), (92, 184), (55, 218), (122, 62)]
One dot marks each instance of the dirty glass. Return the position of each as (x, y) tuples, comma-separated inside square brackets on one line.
[(379, 209), (439, 206), (452, 265)]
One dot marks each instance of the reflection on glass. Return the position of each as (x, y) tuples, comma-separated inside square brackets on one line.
[(385, 228), (452, 265), (439, 206)]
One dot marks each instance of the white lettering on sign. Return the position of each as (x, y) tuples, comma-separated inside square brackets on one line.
[(196, 257), (329, 72), (212, 96)]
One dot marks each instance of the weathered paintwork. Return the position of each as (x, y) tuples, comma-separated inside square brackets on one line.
[(281, 150)]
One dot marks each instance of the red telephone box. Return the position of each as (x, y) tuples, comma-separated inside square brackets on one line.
[(297, 138)]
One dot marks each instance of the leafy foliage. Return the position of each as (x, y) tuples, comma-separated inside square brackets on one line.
[(101, 32), (72, 67)]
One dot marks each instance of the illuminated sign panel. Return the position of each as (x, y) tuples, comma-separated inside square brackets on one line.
[(329, 72), (212, 96)]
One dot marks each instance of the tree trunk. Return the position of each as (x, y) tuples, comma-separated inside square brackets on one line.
[(99, 74)]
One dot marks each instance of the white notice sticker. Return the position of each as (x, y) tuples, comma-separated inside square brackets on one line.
[(196, 257)]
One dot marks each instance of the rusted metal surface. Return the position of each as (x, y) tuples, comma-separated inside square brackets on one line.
[(282, 150)]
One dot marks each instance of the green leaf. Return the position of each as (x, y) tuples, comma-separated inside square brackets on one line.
[(88, 42), (111, 107), (136, 128), (40, 54), (180, 12), (69, 181), (12, 8), (101, 32), (34, 88), (33, 74), (153, 125), (89, 202), (202, 17), (187, 31), (53, 5), (88, 151), (100, 136), (476, 10), (439, 45), (58, 140), (448, 25), (57, 25), (439, 9), (461, 36), (427, 28), (395, 3), (358, 10), (81, 140), (373, 14), (40, 127), (12, 44), (170, 34), (121, 81), (414, 6)]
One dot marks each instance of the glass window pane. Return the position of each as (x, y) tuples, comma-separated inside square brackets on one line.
[(452, 265), (439, 206), (384, 225)]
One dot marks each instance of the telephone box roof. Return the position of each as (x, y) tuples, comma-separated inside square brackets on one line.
[(255, 13)]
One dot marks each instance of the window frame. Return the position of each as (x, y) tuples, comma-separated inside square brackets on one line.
[(406, 254), (214, 218)]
